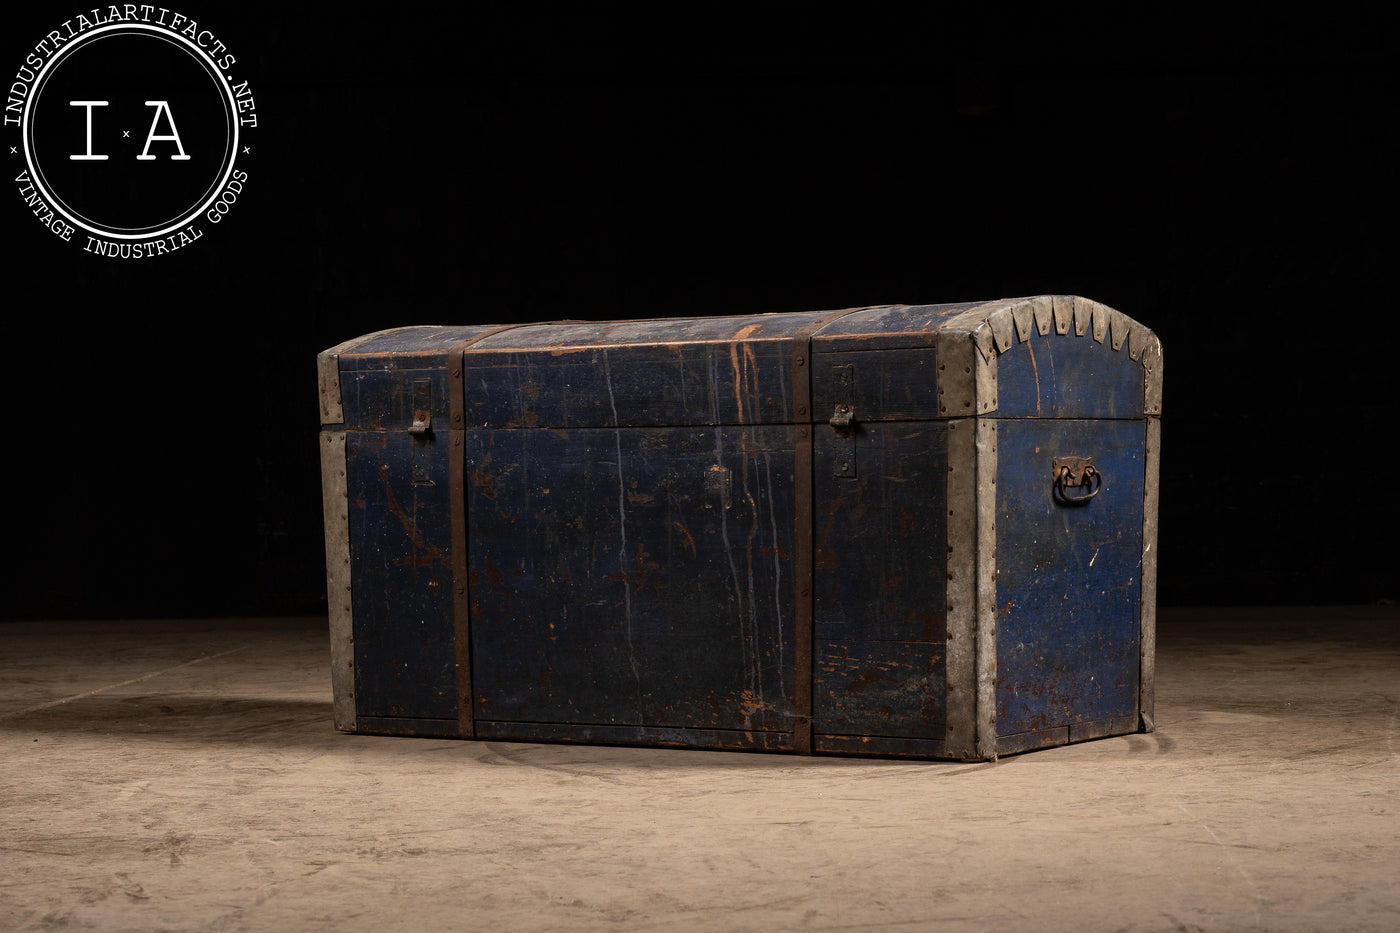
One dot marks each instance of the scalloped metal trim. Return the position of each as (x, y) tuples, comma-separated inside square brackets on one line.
[(1001, 324)]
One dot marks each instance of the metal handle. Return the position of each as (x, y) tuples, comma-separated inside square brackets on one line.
[(1075, 473)]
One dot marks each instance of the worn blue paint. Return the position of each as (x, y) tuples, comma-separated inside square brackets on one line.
[(631, 526), (888, 385), (1068, 577), (633, 576), (663, 386), (1056, 376), (401, 538), (880, 618)]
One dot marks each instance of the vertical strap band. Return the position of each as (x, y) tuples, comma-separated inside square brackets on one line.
[(804, 615)]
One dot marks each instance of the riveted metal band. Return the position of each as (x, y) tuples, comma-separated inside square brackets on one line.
[(971, 660), (961, 567), (1147, 677), (986, 451), (336, 508), (967, 372)]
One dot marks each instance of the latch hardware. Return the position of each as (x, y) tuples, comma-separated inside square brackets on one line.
[(421, 430), (843, 422)]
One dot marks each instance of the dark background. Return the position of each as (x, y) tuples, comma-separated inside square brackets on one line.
[(1219, 179)]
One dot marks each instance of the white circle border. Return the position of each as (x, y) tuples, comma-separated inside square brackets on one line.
[(200, 56)]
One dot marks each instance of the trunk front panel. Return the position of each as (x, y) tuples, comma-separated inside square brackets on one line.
[(880, 626), (648, 570)]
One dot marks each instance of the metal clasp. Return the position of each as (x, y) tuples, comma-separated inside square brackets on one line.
[(843, 423), (844, 420), (421, 430)]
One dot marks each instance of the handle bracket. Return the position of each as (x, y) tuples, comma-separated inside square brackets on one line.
[(1074, 480)]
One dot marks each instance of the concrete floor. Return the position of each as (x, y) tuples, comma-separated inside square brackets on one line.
[(185, 776)]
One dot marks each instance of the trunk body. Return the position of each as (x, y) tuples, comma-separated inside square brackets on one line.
[(919, 531)]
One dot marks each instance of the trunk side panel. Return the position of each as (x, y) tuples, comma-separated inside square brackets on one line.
[(1068, 577)]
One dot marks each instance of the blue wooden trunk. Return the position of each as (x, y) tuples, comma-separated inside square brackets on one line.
[(923, 531)]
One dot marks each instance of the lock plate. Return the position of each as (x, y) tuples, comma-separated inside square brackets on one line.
[(843, 422)]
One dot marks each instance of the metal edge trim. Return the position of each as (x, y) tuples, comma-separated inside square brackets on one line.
[(1003, 329), (1062, 307), (962, 372), (956, 341), (960, 660), (998, 325), (328, 384), (1083, 314), (1023, 316), (1147, 647), (986, 449), (1152, 362), (336, 508), (1044, 315), (1100, 322)]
